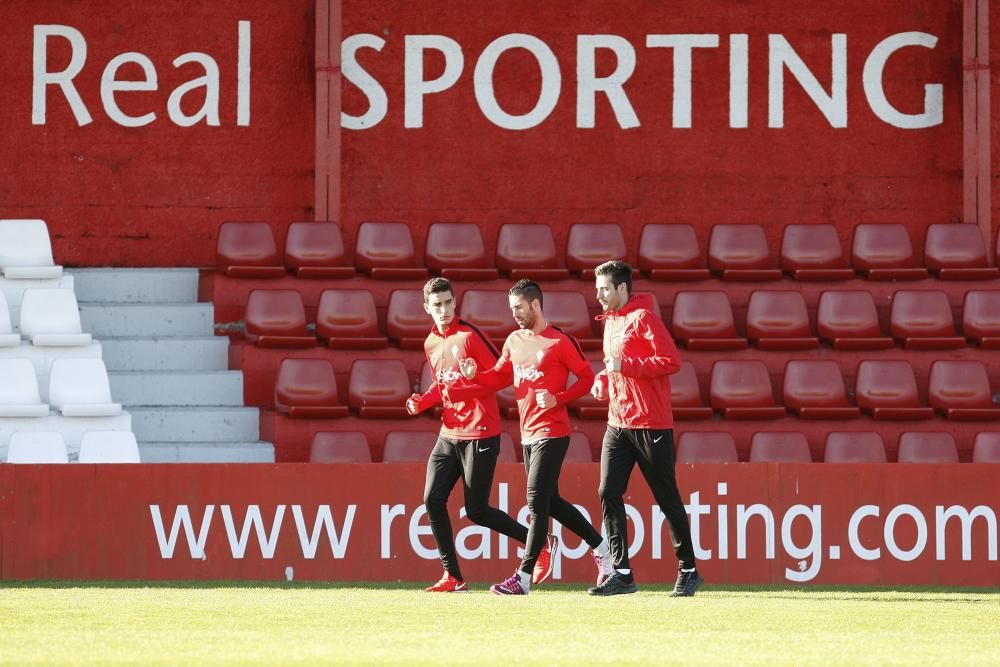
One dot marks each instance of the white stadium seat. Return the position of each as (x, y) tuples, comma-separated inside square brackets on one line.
[(19, 390), (51, 318), (80, 388), (37, 447), (109, 447), (25, 250), (7, 336)]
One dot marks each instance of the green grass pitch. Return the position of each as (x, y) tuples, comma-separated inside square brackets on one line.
[(242, 623)]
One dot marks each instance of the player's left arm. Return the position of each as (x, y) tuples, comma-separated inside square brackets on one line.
[(663, 358), (578, 364)]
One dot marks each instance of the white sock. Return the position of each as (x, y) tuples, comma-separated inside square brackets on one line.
[(687, 569), (602, 549), (525, 578), (625, 571)]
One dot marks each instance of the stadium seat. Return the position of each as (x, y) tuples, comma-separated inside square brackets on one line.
[(379, 388), (490, 311), (8, 338), (37, 447), (981, 318), (339, 447), (920, 447), (579, 449), (960, 389), (19, 395), (26, 251), (848, 321), (408, 446), (888, 390), (277, 319), (51, 318), (407, 323), (986, 448), (588, 407), (248, 250), (568, 311), (779, 447), (317, 250), (779, 320), (529, 251), (706, 447), (884, 252), (671, 252), (740, 252), (307, 389), (590, 245), (79, 387), (814, 389), (742, 390), (346, 319), (956, 251), (813, 252), (385, 251), (685, 395), (704, 321), (456, 251), (109, 447), (854, 447), (922, 320), (508, 451)]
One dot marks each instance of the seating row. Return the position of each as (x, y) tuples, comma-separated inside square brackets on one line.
[(26, 251), (665, 252), (95, 447), (78, 387), (48, 318)]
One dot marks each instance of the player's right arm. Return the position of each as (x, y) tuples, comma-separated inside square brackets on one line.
[(488, 382), (417, 403)]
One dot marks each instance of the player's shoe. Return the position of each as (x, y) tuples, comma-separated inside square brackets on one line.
[(543, 566), (616, 584), (605, 568), (687, 584), (448, 584), (509, 586)]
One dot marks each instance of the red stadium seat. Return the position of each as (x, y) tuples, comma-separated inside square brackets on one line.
[(508, 450), (848, 321), (307, 388), (529, 251), (779, 320), (704, 321), (854, 447), (579, 449), (740, 252), (588, 407), (813, 252), (408, 446), (490, 311), (277, 318), (456, 251), (981, 318), (316, 250), (957, 251), (961, 390), (379, 388), (248, 250), (671, 252), (779, 447), (685, 395), (814, 389), (986, 448), (884, 252), (346, 319), (920, 447), (922, 320), (591, 245), (385, 251), (407, 323), (568, 311), (706, 447), (888, 390), (742, 390), (339, 447)]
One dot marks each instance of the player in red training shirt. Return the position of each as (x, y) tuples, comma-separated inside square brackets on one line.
[(469, 442), (538, 358)]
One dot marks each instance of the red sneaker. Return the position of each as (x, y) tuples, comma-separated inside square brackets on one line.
[(448, 584), (543, 566)]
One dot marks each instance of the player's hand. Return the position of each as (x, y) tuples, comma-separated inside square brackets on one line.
[(468, 367), (413, 404), (545, 399), (597, 390), (613, 364)]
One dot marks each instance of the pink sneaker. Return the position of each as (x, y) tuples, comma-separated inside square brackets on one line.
[(605, 568), (510, 586), (543, 566)]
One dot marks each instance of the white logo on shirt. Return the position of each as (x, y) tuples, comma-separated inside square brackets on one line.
[(529, 373), (448, 376)]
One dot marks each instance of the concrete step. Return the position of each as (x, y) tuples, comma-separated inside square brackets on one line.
[(177, 388), (206, 452), (166, 354), (200, 424), (136, 285), (143, 320)]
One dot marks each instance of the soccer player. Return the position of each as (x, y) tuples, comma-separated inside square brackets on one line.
[(538, 357), (469, 442), (639, 356)]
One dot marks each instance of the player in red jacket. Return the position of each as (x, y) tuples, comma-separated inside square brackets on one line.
[(538, 359), (639, 357)]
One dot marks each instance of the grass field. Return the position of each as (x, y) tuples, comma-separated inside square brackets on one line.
[(358, 624)]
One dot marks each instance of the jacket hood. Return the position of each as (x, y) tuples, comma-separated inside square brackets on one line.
[(636, 301)]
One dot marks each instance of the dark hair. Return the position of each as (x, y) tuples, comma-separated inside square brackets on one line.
[(619, 271), (528, 289), (436, 285)]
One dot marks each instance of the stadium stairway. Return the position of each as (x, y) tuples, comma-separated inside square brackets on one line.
[(168, 368)]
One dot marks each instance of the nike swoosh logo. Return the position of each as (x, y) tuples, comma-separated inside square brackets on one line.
[(483, 450), (656, 441)]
